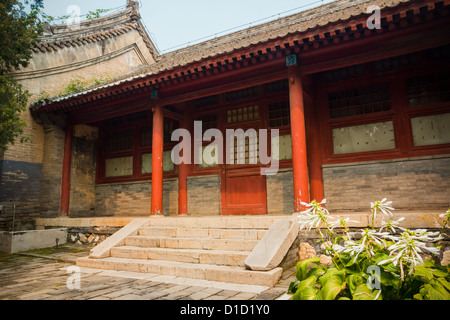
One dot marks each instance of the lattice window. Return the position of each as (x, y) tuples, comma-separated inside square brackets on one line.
[(396, 63), (428, 89), (120, 141), (245, 152), (208, 122), (279, 114), (207, 102), (358, 101), (277, 86), (169, 127), (243, 114), (344, 73), (146, 136), (242, 94)]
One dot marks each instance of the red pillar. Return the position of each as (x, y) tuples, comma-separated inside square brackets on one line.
[(183, 170), (157, 161), (314, 153), (298, 134), (65, 181)]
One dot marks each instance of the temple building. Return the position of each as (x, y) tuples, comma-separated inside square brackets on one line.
[(361, 105)]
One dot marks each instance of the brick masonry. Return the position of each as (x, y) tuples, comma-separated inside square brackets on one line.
[(204, 195), (412, 184), (83, 171), (133, 198), (280, 192)]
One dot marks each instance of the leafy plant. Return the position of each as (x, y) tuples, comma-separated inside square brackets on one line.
[(380, 264)]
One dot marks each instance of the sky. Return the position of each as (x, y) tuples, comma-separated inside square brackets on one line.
[(173, 24)]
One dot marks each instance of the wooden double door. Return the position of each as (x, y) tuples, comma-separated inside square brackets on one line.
[(243, 188)]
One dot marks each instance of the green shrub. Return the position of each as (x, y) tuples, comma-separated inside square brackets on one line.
[(382, 264)]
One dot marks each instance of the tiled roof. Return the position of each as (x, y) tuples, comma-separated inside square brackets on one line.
[(301, 25), (60, 36), (333, 12)]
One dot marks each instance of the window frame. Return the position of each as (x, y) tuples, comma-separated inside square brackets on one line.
[(137, 151), (400, 114)]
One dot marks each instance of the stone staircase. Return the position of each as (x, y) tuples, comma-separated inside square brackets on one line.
[(206, 248)]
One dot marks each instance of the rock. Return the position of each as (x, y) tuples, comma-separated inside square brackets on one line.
[(326, 260), (91, 238), (446, 258), (306, 251), (82, 237), (73, 238)]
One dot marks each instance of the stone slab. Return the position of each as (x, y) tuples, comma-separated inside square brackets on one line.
[(272, 248), (103, 250), (17, 241)]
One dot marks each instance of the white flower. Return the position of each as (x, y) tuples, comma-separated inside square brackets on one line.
[(341, 222), (383, 206), (408, 248), (365, 243), (445, 215), (314, 215), (391, 225)]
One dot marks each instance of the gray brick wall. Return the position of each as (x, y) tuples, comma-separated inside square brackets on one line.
[(204, 195), (412, 184), (83, 170), (133, 198), (50, 193), (280, 192)]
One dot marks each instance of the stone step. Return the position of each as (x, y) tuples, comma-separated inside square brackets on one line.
[(218, 257), (186, 270), (213, 233), (191, 243), (225, 222)]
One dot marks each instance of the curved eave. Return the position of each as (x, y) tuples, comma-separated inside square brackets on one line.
[(170, 71)]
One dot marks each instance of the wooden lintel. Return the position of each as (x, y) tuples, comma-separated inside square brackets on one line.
[(236, 85)]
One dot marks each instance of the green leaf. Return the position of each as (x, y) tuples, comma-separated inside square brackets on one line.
[(423, 272), (440, 273), (306, 289), (418, 296), (435, 291), (333, 286), (363, 292), (353, 281), (389, 279), (302, 267), (445, 283), (324, 278)]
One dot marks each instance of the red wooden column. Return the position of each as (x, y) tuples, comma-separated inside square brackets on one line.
[(65, 182), (183, 170), (157, 160), (298, 134), (314, 148)]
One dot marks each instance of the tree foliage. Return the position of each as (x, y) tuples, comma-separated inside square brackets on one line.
[(19, 30)]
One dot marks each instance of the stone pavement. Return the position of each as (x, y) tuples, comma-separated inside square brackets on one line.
[(44, 275)]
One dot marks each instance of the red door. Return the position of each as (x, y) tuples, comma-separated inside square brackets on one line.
[(243, 186), (243, 192)]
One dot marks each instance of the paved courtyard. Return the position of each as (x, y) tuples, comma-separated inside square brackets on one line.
[(50, 274)]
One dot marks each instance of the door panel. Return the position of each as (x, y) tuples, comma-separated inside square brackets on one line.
[(243, 192)]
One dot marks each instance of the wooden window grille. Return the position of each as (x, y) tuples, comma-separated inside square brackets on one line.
[(428, 89), (359, 101), (279, 114), (243, 115)]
